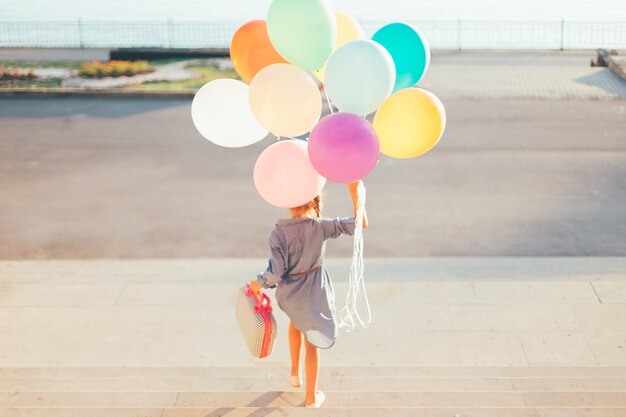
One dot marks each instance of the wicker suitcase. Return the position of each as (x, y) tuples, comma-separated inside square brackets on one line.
[(256, 321)]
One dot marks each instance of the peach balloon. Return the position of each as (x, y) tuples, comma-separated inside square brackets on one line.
[(284, 175), (251, 50), (285, 100)]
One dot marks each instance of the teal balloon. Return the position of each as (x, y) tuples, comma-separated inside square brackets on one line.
[(360, 75), (302, 31), (410, 52)]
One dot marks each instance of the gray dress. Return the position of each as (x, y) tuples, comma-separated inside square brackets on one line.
[(303, 291)]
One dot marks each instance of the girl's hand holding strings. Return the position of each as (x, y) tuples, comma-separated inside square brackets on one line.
[(353, 187)]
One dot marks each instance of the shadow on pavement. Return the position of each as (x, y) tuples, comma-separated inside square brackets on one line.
[(267, 398), (606, 80), (221, 412)]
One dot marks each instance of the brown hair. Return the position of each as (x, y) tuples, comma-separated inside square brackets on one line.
[(313, 208)]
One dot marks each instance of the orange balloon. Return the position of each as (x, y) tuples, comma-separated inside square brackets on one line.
[(251, 50)]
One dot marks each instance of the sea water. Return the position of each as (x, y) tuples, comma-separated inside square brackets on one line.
[(600, 10)]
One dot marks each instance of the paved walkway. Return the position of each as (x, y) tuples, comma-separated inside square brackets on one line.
[(546, 75), (110, 178)]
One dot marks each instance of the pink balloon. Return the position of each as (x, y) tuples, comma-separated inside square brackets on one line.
[(343, 147), (284, 176)]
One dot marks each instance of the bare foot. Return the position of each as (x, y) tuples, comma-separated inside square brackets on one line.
[(319, 400), (295, 381)]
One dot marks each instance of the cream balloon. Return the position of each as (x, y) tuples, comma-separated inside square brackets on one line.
[(348, 29), (285, 100), (221, 113)]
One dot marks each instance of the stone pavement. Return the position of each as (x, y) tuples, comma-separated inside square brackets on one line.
[(473, 337), (120, 178), (515, 74)]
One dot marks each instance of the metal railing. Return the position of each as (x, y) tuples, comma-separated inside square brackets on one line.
[(458, 34)]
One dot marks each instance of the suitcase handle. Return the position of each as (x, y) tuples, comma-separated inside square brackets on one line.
[(260, 297)]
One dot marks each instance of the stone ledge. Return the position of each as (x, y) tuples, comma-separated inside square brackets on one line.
[(617, 63), (82, 92)]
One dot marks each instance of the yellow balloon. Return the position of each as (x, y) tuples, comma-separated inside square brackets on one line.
[(348, 29), (409, 123)]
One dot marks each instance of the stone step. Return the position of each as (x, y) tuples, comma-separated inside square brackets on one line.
[(339, 399), (307, 412), (275, 383), (231, 270), (334, 372), (383, 269)]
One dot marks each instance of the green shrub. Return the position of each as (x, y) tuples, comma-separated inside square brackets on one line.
[(97, 69)]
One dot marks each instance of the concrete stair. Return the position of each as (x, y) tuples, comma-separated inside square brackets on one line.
[(450, 337), (450, 391)]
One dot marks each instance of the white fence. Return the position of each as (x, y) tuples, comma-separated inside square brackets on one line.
[(455, 34)]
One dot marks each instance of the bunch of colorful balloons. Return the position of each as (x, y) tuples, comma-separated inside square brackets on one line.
[(278, 59)]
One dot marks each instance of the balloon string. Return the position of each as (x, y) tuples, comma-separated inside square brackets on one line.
[(330, 105), (288, 137), (349, 316)]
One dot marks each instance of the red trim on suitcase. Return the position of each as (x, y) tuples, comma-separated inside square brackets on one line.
[(264, 310)]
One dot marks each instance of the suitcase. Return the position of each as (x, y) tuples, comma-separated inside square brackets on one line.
[(256, 321)]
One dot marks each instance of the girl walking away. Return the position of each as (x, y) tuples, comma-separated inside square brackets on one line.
[(304, 290)]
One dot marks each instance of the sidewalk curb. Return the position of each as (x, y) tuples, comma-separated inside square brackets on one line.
[(78, 92)]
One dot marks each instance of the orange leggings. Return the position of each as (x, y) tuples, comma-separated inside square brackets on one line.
[(311, 361)]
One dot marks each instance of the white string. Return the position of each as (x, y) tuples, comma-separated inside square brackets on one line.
[(330, 105), (278, 138), (349, 316)]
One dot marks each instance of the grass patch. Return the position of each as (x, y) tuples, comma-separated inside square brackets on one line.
[(51, 83), (205, 73), (41, 64)]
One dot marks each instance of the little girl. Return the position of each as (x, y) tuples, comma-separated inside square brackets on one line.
[(304, 290)]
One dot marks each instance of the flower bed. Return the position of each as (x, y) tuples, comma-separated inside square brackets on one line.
[(12, 74), (97, 69)]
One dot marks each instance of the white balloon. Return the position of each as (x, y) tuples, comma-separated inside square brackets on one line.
[(221, 113)]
